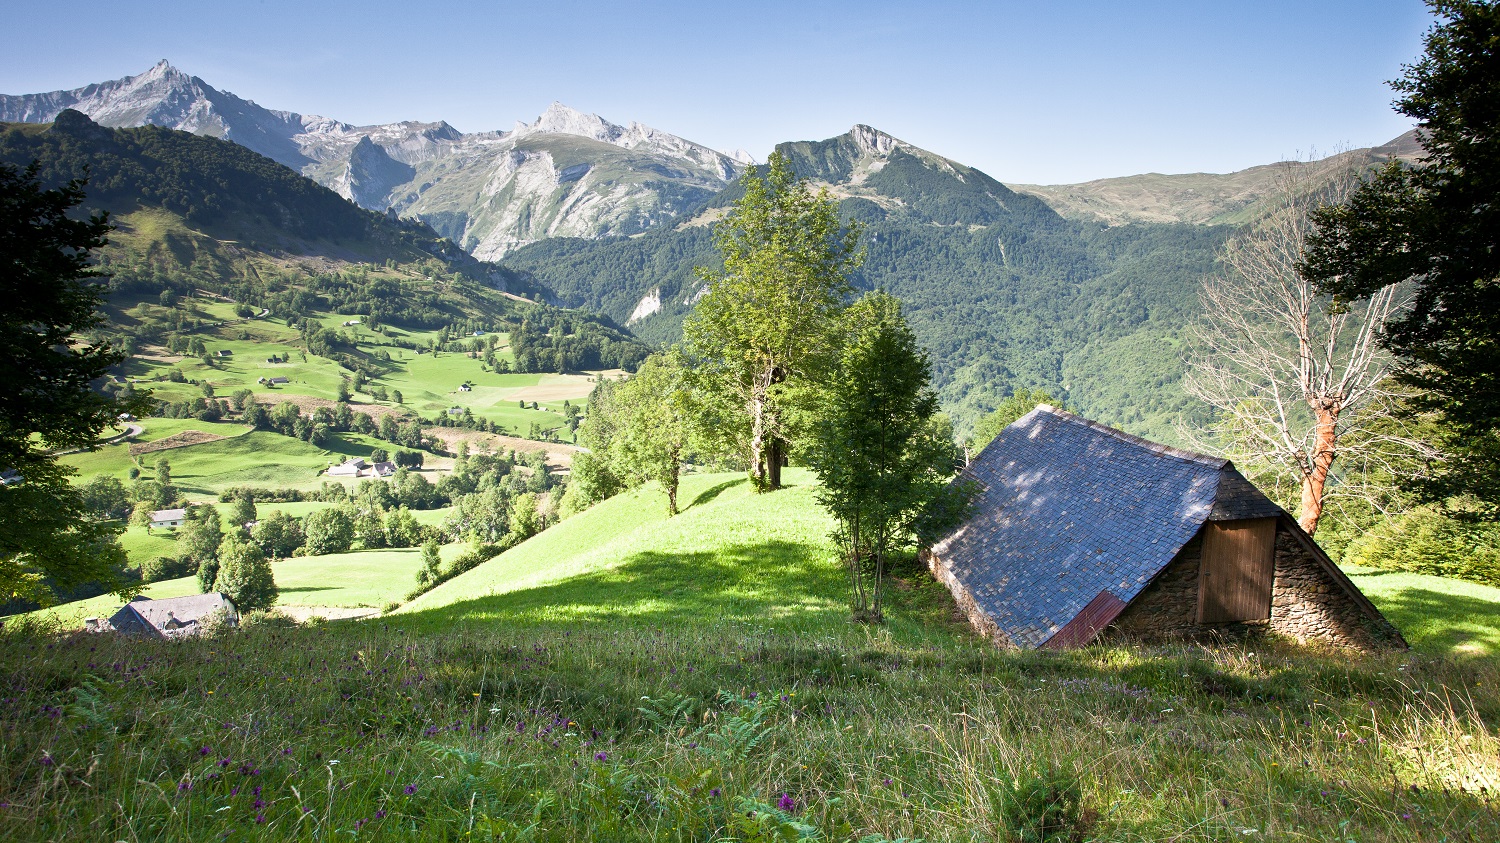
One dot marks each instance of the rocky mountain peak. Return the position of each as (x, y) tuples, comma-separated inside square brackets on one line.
[(560, 119), (872, 141)]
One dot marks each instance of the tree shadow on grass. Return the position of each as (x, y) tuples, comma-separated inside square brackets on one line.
[(758, 582), (1444, 624), (305, 588), (714, 491), (339, 445)]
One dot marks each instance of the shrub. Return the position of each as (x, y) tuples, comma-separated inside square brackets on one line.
[(1425, 542), (1045, 806)]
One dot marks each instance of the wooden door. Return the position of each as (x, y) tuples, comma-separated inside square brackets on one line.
[(1237, 570)]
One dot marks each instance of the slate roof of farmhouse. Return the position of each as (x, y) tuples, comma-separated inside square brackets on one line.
[(1071, 511), (170, 617)]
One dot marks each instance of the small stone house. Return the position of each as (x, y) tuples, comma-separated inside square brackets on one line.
[(171, 518), (173, 617), (1081, 532)]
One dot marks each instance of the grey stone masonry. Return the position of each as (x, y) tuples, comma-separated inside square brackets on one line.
[(1312, 601), (1309, 602), (1168, 607)]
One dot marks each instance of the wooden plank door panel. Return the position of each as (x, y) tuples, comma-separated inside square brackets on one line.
[(1237, 570)]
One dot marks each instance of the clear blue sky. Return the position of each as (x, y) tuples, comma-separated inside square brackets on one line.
[(1044, 92)]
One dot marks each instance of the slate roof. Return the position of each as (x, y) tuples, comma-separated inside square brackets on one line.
[(168, 515), (1071, 510), (171, 617)]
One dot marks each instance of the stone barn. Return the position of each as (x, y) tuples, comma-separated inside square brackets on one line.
[(172, 617), (1081, 532)]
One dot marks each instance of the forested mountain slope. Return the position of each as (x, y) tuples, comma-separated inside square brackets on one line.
[(196, 213), (1004, 291)]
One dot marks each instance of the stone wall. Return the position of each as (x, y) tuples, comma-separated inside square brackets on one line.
[(1168, 607), (1309, 604)]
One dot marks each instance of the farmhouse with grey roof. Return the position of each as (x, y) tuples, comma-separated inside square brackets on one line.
[(172, 617), (1084, 532)]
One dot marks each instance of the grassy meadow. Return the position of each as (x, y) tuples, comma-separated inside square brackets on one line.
[(625, 676), (428, 382)]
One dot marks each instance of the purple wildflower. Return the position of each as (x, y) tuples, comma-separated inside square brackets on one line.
[(601, 756), (260, 819), (787, 803), (715, 792), (380, 814), (409, 789)]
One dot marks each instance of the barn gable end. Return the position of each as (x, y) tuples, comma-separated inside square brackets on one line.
[(1080, 529)]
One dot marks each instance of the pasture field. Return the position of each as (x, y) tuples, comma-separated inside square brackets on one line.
[(428, 382), (1438, 616), (143, 546), (115, 459), (257, 458), (624, 676), (359, 579)]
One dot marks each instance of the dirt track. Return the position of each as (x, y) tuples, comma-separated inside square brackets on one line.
[(176, 440), (559, 455)]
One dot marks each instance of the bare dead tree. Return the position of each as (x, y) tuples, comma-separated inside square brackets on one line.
[(1297, 382)]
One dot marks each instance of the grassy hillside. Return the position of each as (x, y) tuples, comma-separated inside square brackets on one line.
[(627, 560), (631, 677), (222, 261)]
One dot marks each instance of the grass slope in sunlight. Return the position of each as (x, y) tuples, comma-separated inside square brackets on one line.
[(729, 554), (629, 677), (1437, 615)]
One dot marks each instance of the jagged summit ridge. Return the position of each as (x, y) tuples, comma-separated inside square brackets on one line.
[(490, 191), (872, 141)]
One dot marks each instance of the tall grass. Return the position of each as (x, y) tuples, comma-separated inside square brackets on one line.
[(696, 679), (564, 731)]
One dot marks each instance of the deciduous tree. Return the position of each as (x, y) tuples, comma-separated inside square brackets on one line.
[(245, 576), (880, 451), (654, 410), (768, 318), (1297, 381), (328, 531)]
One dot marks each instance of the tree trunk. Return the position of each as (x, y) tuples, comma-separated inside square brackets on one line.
[(1325, 448), (672, 480), (758, 443), (775, 456)]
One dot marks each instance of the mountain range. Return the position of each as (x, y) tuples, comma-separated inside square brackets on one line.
[(565, 174), (1083, 290)]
